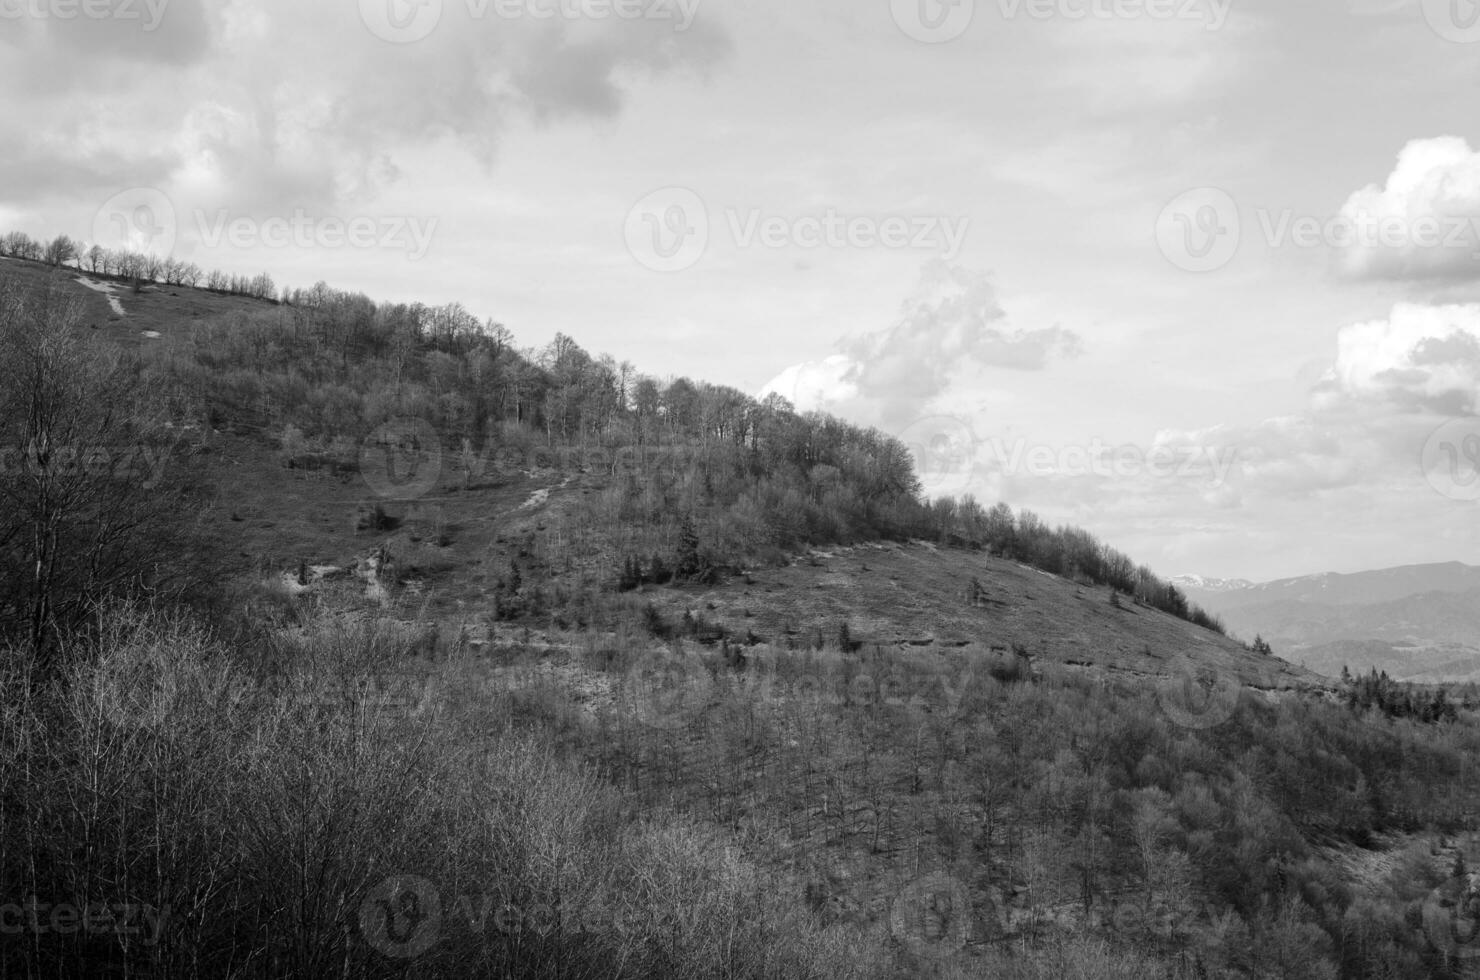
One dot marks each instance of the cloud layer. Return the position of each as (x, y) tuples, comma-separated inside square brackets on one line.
[(266, 105), (953, 322)]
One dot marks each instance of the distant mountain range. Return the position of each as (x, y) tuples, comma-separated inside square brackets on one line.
[(1198, 583), (1417, 622)]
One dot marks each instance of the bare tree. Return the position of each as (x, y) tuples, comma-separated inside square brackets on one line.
[(91, 492), (60, 250)]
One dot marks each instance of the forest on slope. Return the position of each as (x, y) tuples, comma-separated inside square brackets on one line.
[(188, 787)]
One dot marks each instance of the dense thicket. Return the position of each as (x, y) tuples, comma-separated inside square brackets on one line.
[(182, 808)]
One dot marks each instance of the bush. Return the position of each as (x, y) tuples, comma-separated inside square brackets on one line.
[(272, 823)]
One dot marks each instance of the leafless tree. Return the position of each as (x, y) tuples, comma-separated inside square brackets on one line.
[(91, 486)]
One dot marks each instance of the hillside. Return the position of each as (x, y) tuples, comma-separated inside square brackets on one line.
[(685, 684), (458, 536)]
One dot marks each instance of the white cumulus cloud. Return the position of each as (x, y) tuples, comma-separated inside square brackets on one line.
[(1422, 224)]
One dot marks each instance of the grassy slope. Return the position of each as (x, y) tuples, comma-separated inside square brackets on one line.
[(916, 595)]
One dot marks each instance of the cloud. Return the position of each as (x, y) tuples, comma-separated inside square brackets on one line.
[(267, 105), (953, 321), (1422, 224), (1421, 359), (815, 383), (1392, 382)]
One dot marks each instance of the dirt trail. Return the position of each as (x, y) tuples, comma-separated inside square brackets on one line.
[(108, 290)]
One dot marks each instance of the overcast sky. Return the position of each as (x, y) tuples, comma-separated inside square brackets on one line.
[(1199, 275)]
